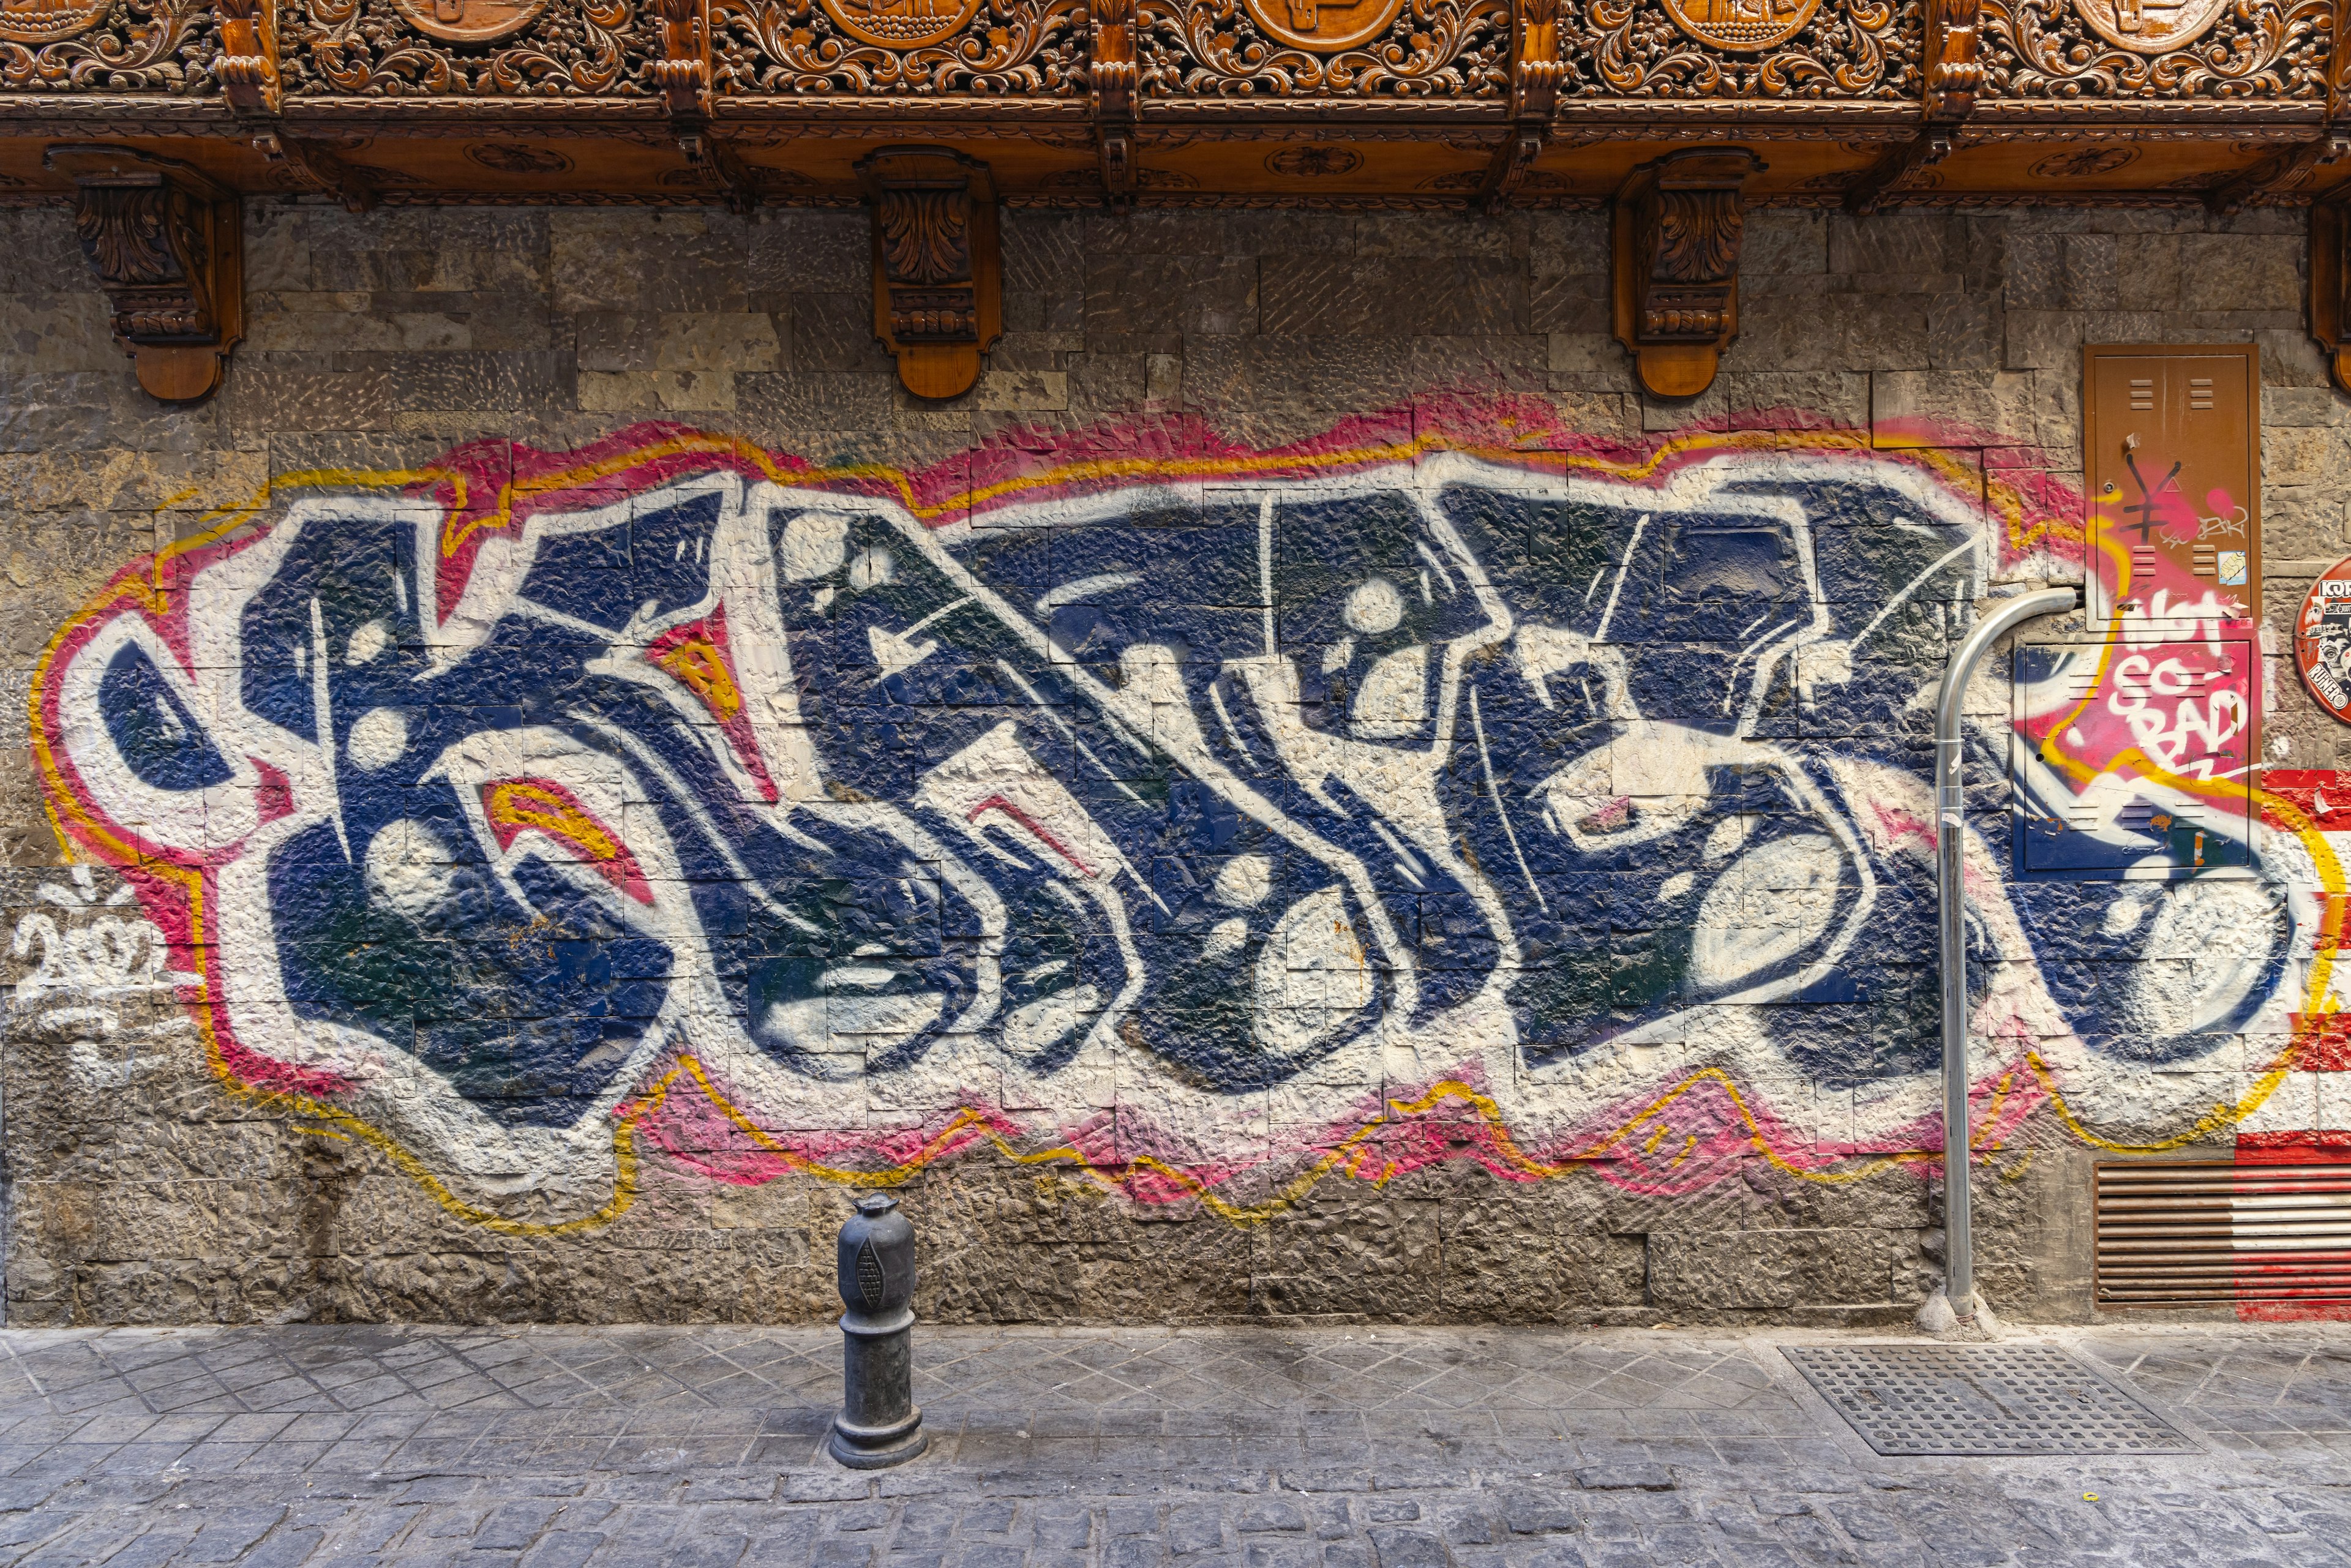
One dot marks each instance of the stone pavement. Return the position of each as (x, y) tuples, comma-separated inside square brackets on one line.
[(1145, 1448)]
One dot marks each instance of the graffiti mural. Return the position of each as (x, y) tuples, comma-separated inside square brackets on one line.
[(1216, 821)]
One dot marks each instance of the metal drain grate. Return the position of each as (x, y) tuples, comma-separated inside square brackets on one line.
[(1981, 1399)]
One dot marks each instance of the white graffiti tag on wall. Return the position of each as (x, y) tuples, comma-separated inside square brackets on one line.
[(89, 967)]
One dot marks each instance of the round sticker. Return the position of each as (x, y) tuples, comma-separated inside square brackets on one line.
[(2322, 640)]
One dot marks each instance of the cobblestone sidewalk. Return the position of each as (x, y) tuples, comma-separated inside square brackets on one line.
[(1254, 1448)]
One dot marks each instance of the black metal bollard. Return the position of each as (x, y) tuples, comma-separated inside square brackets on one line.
[(879, 1424)]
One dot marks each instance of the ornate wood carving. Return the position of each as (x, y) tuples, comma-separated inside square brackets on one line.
[(309, 166), (2338, 68), (469, 21), (1954, 73), (107, 47), (1114, 75), (1679, 225), (1324, 27), (681, 72), (1741, 25), (168, 246), (487, 48), (1722, 50), (1535, 72), (2240, 49), (937, 267), (47, 21), (248, 65), (880, 47), (1428, 48)]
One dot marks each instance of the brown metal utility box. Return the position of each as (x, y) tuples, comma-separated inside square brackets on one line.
[(2171, 453)]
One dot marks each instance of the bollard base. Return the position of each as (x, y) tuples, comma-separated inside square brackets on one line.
[(1938, 1318), (877, 1447)]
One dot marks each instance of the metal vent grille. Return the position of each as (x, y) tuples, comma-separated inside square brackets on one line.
[(2206, 1232), (1981, 1399)]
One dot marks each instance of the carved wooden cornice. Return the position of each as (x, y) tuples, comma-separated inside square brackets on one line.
[(1495, 103)]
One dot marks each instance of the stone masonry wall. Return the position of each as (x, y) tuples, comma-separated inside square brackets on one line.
[(1303, 795)]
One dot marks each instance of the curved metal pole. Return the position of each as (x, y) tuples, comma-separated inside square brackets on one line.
[(1950, 849)]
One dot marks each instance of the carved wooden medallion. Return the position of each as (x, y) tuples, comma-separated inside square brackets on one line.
[(47, 21), (900, 24), (2151, 26), (1742, 25), (1322, 26), (469, 21)]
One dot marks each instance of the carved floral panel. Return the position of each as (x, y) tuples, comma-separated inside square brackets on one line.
[(1744, 48), (2218, 49), (107, 47), (530, 48), (1277, 48), (926, 48)]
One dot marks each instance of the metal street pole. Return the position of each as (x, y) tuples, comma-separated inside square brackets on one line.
[(1950, 890)]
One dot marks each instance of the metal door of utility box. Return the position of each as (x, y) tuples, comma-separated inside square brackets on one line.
[(2132, 759), (2171, 445)]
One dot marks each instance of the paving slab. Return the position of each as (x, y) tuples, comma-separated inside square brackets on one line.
[(1276, 1447)]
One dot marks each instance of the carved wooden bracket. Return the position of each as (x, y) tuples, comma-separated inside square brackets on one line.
[(1115, 73), (1535, 72), (1678, 224), (937, 295), (1953, 73), (2330, 274), (2297, 167), (1883, 184), (168, 245), (247, 67), (682, 73)]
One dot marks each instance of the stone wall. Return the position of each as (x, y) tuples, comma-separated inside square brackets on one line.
[(1292, 799)]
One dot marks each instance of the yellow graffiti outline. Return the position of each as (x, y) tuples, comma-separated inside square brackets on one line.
[(2006, 502), (1343, 1153)]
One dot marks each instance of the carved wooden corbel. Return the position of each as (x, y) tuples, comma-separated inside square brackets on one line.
[(2330, 272), (1115, 73), (937, 293), (682, 72), (168, 245), (1535, 72), (1678, 224), (248, 70)]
